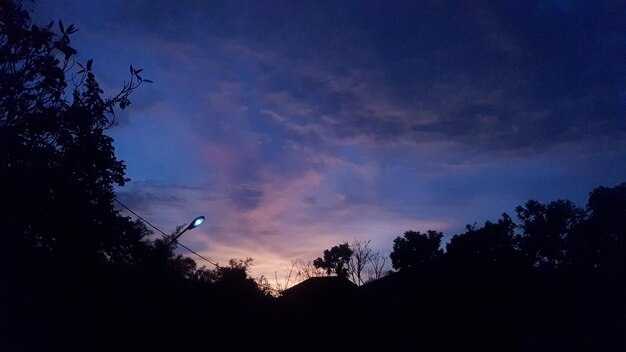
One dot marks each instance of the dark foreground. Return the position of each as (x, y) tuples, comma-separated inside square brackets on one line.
[(59, 307)]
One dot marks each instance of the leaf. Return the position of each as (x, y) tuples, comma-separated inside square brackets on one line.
[(138, 71), (89, 63), (71, 29), (61, 27), (68, 51), (147, 80), (132, 70)]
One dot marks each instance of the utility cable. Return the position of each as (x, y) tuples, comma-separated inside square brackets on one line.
[(163, 233)]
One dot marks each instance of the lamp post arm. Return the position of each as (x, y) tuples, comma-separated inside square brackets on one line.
[(175, 238)]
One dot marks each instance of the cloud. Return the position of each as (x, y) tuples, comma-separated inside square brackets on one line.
[(146, 196), (282, 227), (245, 197), (474, 75), (373, 73), (504, 90), (298, 126)]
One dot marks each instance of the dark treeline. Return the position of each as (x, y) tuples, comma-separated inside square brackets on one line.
[(553, 279), (77, 275)]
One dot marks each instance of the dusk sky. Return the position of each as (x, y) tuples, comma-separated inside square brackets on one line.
[(294, 126)]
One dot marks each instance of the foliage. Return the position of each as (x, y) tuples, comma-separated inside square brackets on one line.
[(487, 247), (545, 229), (600, 240), (335, 260), (415, 249), (95, 274), (58, 166)]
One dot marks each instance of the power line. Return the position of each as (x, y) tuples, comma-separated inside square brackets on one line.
[(194, 252), (139, 216), (163, 233)]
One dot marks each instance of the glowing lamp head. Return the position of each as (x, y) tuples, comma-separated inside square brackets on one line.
[(196, 222)]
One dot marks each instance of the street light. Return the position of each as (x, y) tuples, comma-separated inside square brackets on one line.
[(195, 223)]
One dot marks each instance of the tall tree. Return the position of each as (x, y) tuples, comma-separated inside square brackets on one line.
[(361, 257), (488, 247), (415, 249), (601, 239), (58, 167), (365, 264), (545, 229), (335, 260), (378, 266)]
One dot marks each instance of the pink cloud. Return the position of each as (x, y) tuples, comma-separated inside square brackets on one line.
[(282, 227)]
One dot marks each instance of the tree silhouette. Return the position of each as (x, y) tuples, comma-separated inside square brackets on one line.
[(335, 260), (299, 271), (236, 275), (361, 256), (545, 230), (491, 246), (415, 249), (74, 272), (600, 241), (58, 166)]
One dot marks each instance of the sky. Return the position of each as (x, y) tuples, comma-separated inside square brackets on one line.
[(295, 126)]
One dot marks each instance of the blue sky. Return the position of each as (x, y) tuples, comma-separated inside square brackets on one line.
[(294, 126)]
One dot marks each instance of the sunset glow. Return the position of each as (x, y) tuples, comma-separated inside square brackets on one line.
[(293, 127)]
